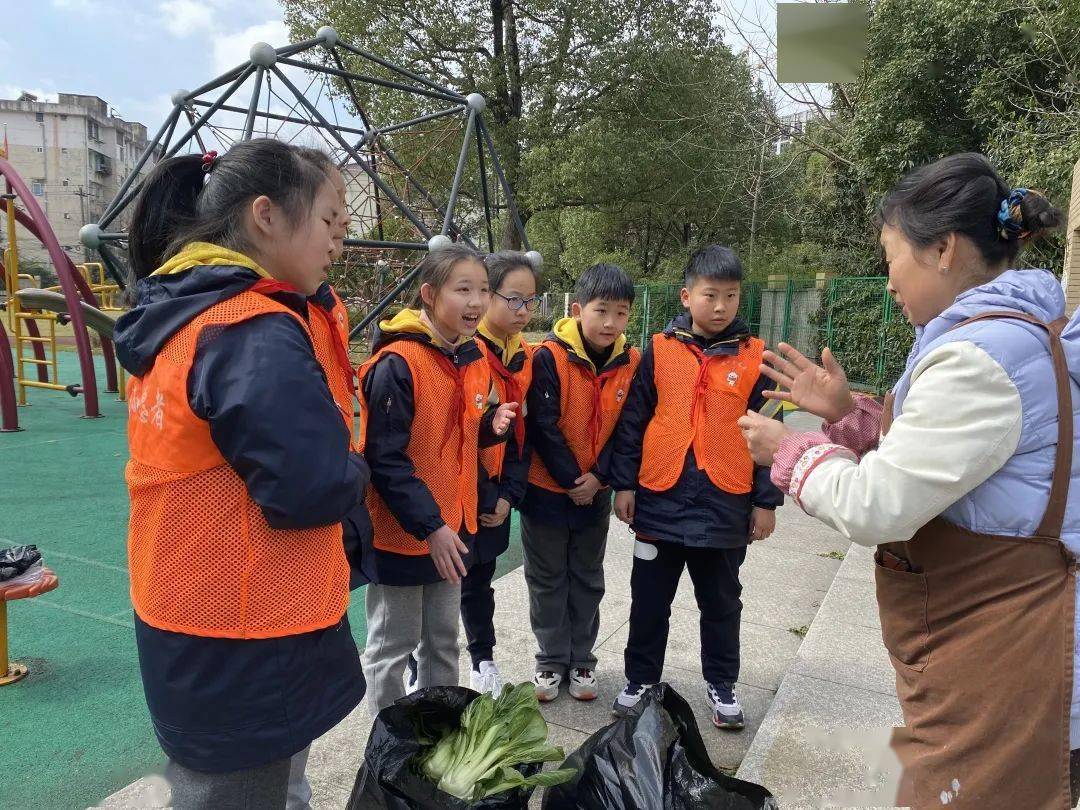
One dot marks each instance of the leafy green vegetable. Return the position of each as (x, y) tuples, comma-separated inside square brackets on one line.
[(478, 758)]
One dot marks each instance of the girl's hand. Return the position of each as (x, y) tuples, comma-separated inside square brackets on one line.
[(504, 416), (624, 505), (496, 518), (821, 390), (446, 549), (763, 436), (587, 487), (762, 523)]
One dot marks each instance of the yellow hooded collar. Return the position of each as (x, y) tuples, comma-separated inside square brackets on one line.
[(416, 321), (509, 348), (206, 254), (569, 332)]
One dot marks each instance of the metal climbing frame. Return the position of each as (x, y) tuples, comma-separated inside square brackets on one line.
[(23, 324), (390, 188)]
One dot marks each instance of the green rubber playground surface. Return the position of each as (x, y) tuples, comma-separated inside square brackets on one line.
[(76, 729)]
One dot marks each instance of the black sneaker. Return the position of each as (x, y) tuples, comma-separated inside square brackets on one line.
[(726, 711), (628, 698)]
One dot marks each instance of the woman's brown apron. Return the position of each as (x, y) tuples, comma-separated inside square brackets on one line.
[(980, 632)]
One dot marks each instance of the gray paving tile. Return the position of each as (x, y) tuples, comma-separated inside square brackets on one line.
[(848, 654), (789, 568), (851, 599), (825, 744)]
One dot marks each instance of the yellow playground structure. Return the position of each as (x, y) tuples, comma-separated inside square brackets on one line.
[(41, 320)]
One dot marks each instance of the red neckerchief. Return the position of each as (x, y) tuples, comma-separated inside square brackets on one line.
[(513, 391), (701, 384), (456, 412), (596, 420), (268, 286)]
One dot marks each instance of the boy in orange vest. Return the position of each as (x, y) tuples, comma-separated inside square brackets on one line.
[(686, 484), (581, 379)]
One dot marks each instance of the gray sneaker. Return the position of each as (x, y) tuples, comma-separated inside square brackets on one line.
[(583, 685), (546, 684)]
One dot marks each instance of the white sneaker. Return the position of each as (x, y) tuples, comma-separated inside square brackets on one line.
[(409, 676), (546, 684), (583, 684), (486, 679), (628, 698), (726, 710)]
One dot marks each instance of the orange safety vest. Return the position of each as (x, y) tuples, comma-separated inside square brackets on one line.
[(511, 386), (589, 407), (339, 316), (449, 404), (699, 399), (202, 558)]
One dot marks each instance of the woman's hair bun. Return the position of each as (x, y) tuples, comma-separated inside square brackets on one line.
[(1039, 216)]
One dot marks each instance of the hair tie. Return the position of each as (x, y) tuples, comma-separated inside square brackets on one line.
[(208, 160), (1010, 217)]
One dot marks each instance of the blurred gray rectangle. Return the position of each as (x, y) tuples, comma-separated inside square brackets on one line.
[(819, 43)]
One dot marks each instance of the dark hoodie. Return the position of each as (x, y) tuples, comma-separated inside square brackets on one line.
[(510, 485), (547, 440), (694, 512), (226, 704), (389, 430)]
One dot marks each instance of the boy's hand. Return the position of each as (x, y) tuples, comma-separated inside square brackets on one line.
[(624, 505), (504, 416), (587, 487), (762, 523), (763, 436), (496, 518), (446, 549)]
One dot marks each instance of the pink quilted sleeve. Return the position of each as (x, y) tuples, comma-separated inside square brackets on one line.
[(860, 430)]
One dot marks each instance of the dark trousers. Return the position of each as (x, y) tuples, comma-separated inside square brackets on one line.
[(715, 574), (478, 612)]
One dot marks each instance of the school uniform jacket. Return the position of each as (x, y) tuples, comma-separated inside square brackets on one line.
[(405, 506), (216, 693), (559, 440), (694, 510), (504, 468)]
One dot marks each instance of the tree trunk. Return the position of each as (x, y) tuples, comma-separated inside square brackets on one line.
[(508, 116)]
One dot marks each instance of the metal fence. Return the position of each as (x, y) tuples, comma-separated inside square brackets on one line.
[(855, 317)]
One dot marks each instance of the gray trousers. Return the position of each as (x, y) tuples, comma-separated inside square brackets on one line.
[(299, 797), (564, 569), (262, 788), (404, 618)]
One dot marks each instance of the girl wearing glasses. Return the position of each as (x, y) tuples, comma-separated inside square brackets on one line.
[(504, 468)]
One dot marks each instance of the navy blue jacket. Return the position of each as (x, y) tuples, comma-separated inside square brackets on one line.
[(549, 443), (511, 485), (389, 430), (694, 512), (225, 704)]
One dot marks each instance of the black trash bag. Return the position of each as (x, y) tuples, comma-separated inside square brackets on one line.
[(652, 759), (387, 779), (16, 560)]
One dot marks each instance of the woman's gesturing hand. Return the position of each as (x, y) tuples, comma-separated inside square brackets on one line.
[(821, 390), (763, 436)]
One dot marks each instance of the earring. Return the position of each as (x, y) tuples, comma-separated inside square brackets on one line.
[(944, 270)]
